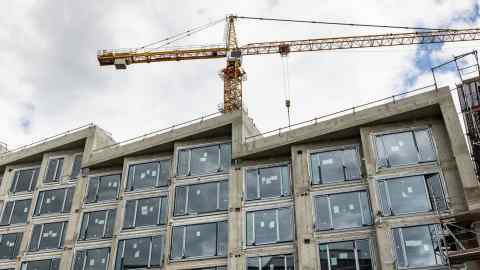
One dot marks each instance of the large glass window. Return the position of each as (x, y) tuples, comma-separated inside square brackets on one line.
[(76, 167), (412, 194), (342, 211), (200, 240), (201, 198), (54, 170), (146, 175), (54, 201), (97, 225), (103, 188), (92, 259), (24, 180), (404, 148), (204, 160), (270, 226), (347, 255), (418, 246), (267, 182), (276, 262), (212, 268), (50, 264), (140, 253), (9, 245), (145, 212), (15, 212), (47, 236), (335, 166)]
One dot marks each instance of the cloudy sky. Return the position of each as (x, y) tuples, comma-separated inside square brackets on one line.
[(50, 80)]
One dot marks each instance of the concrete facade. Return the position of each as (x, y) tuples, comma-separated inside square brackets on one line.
[(101, 156)]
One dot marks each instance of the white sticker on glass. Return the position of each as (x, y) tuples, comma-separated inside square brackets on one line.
[(91, 262), (336, 209), (426, 247), (413, 243), (343, 255), (48, 201), (394, 148), (148, 172), (404, 195), (333, 260), (351, 206), (114, 184), (271, 224), (198, 233), (262, 224), (400, 143), (198, 192), (25, 210), (409, 189), (327, 161), (144, 210), (142, 175), (135, 245), (136, 254), (154, 173), (203, 159)]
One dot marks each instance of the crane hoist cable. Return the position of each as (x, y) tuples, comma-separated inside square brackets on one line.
[(286, 85)]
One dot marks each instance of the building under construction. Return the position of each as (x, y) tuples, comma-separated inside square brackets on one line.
[(390, 185)]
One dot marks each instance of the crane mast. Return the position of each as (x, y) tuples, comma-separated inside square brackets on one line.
[(233, 74)]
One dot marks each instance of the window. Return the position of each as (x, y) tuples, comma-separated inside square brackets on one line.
[(418, 246), (145, 175), (140, 253), (50, 264), (404, 148), (212, 268), (54, 201), (47, 236), (103, 188), (97, 225), (269, 226), (347, 255), (412, 194), (342, 211), (277, 262), (200, 240), (335, 166), (145, 212), (24, 180), (201, 198), (54, 170), (268, 182), (9, 245), (15, 212), (76, 167), (204, 160), (92, 259)]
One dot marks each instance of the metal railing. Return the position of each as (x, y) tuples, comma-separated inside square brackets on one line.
[(351, 110), (45, 140), (158, 132)]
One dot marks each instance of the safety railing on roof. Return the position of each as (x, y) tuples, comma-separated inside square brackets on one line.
[(158, 132), (351, 110), (45, 140)]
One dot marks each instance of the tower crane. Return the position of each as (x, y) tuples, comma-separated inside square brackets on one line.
[(233, 73)]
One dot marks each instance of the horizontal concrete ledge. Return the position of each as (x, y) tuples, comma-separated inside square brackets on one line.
[(377, 113)]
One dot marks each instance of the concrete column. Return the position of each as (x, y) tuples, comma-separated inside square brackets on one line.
[(236, 258)]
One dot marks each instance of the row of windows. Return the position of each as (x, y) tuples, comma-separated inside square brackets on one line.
[(416, 246)]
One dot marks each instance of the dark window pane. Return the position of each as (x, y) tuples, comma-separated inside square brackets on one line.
[(270, 182), (92, 259), (147, 212), (152, 174), (290, 265), (110, 223), (201, 198), (335, 166), (52, 264), (52, 235), (183, 162), (163, 211), (266, 227), (400, 149), (225, 157), (177, 242), (273, 262), (346, 212), (24, 180), (222, 238), (201, 240), (20, 211), (180, 200), (351, 164), (54, 201), (223, 196), (365, 208), (204, 160), (437, 196), (251, 185), (384, 198), (253, 263), (9, 245), (35, 239), (79, 261), (108, 187), (250, 228), (77, 166), (68, 200), (285, 220), (342, 256), (418, 246), (92, 189), (99, 224), (322, 213), (324, 258), (364, 256), (130, 212), (7, 212), (408, 195), (425, 145), (54, 170), (136, 253), (157, 251)]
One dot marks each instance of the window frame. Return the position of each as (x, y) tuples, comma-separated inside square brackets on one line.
[(14, 202), (197, 146), (260, 256), (142, 162), (276, 211), (403, 245), (41, 197), (86, 216), (163, 260), (186, 201), (283, 195), (328, 195), (184, 239), (17, 245), (58, 174), (163, 199), (100, 176), (427, 188), (74, 158), (412, 130), (371, 246), (343, 147), (33, 182), (85, 250), (60, 244), (51, 260)]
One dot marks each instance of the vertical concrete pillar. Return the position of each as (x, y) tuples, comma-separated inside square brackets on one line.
[(236, 257)]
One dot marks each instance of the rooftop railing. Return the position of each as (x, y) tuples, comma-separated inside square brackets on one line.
[(351, 110)]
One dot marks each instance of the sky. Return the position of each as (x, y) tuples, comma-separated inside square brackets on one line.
[(50, 80)]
